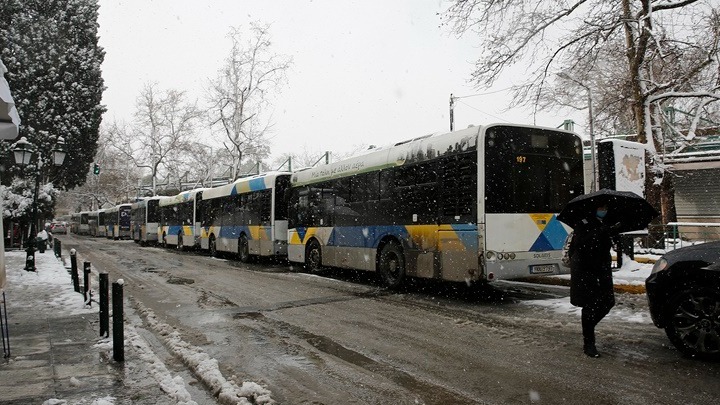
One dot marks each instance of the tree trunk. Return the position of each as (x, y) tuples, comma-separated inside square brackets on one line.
[(653, 194)]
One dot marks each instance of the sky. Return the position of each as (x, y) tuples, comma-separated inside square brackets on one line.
[(364, 72)]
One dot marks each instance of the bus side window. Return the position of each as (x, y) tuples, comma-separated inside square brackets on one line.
[(360, 194), (385, 210), (426, 194), (373, 186), (327, 204), (265, 200), (343, 214), (293, 207), (311, 209), (457, 188), (385, 185)]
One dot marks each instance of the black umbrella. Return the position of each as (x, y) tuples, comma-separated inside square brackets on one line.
[(627, 208)]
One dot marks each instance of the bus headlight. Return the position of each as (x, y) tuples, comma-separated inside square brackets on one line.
[(491, 256), (660, 265)]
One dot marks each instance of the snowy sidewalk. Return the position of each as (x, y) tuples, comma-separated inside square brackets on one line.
[(57, 355)]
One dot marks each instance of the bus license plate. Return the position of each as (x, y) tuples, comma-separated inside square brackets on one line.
[(542, 269)]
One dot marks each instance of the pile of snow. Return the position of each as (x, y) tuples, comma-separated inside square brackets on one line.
[(631, 272), (52, 278), (174, 387), (205, 367)]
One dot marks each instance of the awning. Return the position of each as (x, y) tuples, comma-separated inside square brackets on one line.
[(9, 118)]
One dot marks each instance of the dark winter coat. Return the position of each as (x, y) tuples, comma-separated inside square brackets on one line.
[(590, 264)]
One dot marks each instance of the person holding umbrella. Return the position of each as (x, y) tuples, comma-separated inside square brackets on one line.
[(591, 281)]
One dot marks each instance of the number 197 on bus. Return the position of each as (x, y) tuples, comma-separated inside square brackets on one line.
[(521, 159)]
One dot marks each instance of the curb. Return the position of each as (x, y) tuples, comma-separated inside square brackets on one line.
[(619, 288), (643, 260)]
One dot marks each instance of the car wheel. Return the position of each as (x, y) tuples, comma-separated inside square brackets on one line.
[(693, 322), (391, 265), (243, 249), (213, 247), (313, 257)]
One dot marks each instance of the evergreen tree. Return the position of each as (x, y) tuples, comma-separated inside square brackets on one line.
[(50, 48)]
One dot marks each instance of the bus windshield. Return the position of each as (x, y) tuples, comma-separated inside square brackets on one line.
[(531, 170)]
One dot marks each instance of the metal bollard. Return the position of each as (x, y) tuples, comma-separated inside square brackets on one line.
[(104, 304), (74, 270), (118, 331), (57, 246), (4, 331), (86, 279)]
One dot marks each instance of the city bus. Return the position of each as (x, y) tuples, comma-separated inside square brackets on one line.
[(83, 224), (473, 205), (179, 223), (94, 223), (144, 220), (101, 228), (247, 217), (103, 218), (117, 222)]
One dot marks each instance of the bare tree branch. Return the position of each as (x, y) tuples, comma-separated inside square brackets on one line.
[(241, 92)]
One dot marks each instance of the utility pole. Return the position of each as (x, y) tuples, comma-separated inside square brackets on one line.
[(452, 112), (563, 75)]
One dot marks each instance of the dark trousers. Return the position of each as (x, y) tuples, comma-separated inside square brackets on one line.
[(592, 313)]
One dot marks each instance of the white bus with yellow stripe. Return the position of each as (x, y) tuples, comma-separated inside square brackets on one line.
[(247, 217), (117, 222), (145, 219), (179, 223), (472, 205)]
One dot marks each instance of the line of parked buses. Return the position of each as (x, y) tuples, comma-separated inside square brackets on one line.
[(477, 204)]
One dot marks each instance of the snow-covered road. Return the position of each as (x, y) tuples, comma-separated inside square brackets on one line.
[(341, 338)]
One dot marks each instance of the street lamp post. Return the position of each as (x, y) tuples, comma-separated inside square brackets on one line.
[(593, 183), (23, 154)]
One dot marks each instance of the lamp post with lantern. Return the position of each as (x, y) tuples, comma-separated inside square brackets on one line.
[(23, 151)]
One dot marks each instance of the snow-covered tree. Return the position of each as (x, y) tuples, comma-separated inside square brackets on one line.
[(240, 94), (17, 201), (635, 56), (163, 128), (50, 48), (115, 184)]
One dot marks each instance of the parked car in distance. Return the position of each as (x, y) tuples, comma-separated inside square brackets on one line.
[(683, 292), (58, 228)]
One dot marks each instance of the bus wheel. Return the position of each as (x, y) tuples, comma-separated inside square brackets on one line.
[(180, 246), (213, 247), (391, 265), (313, 257), (243, 249)]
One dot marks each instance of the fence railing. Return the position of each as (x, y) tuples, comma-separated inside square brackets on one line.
[(675, 235), (692, 232)]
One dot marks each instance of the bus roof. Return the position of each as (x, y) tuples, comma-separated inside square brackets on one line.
[(117, 207), (245, 185), (180, 198), (143, 201), (410, 151)]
